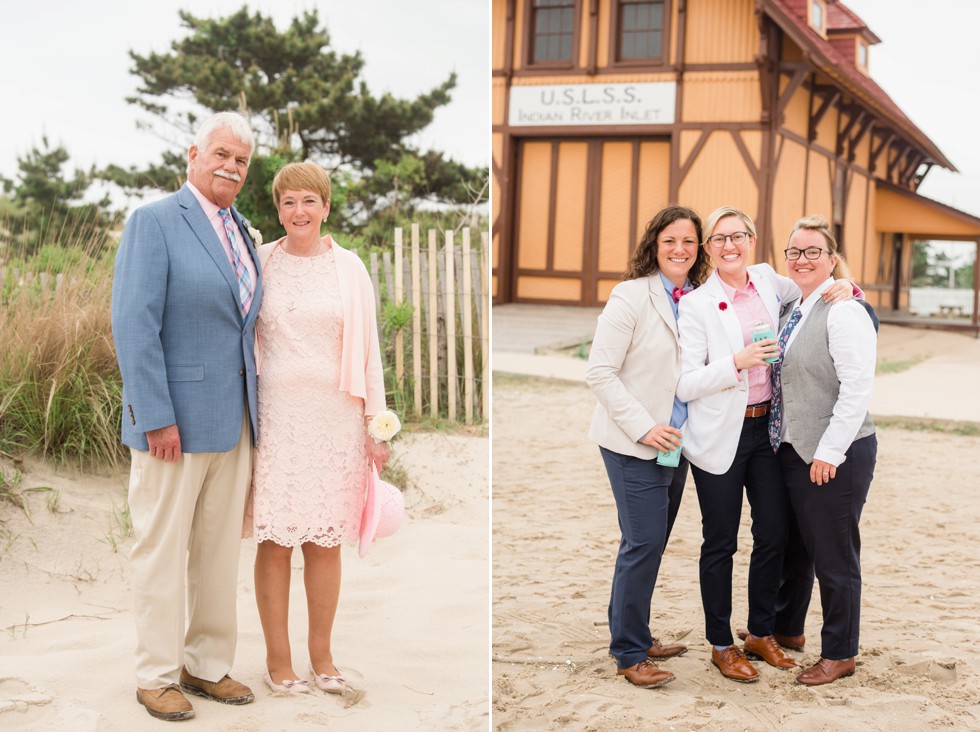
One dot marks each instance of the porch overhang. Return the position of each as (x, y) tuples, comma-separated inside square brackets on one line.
[(902, 211)]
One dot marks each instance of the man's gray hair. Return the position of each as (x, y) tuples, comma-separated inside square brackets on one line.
[(231, 121)]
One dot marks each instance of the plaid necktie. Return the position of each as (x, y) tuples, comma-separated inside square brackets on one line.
[(776, 411), (241, 271)]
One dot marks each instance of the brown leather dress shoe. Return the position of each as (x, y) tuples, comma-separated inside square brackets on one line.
[(646, 675), (734, 665), (659, 651), (226, 690), (168, 703), (769, 651), (789, 642), (826, 671)]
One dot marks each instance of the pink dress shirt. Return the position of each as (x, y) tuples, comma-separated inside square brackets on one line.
[(750, 310), (211, 211)]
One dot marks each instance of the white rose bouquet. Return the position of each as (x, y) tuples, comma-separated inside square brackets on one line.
[(383, 426)]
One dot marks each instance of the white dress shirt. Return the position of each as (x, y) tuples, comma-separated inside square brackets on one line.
[(852, 343)]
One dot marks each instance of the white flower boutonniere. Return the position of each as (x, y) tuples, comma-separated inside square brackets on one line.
[(256, 235), (384, 426)]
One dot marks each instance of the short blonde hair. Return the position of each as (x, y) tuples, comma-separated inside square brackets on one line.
[(301, 177), (724, 212), (816, 222)]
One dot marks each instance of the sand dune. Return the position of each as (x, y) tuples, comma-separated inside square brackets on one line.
[(411, 632)]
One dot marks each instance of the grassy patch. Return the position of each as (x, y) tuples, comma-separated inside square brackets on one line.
[(924, 424), (886, 366), (60, 388), (503, 379), (395, 474), (13, 494)]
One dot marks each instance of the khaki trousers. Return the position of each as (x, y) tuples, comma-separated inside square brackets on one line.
[(187, 523)]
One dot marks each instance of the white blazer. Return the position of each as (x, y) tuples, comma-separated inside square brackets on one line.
[(710, 334), (633, 366)]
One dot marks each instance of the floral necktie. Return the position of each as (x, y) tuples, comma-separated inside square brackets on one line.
[(241, 271), (776, 411)]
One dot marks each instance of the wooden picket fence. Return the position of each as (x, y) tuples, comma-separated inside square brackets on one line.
[(447, 339)]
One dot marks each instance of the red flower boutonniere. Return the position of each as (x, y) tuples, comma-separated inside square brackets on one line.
[(723, 306)]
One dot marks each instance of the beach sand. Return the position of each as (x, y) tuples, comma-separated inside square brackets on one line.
[(555, 538), (411, 632)]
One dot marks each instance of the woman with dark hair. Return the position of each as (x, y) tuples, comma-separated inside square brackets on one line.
[(633, 368)]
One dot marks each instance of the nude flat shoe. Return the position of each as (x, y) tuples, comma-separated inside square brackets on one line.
[(288, 686), (329, 684)]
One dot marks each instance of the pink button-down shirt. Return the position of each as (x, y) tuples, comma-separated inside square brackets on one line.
[(750, 310), (211, 211)]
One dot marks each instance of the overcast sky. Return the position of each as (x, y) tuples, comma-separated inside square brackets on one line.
[(65, 68)]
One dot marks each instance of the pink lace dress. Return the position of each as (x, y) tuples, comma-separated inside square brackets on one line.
[(308, 477)]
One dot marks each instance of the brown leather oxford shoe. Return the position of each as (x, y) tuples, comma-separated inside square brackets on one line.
[(734, 665), (826, 671), (659, 651), (646, 675), (769, 651), (225, 690), (789, 642), (168, 703)]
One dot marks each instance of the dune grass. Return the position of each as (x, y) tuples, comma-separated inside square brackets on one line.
[(60, 388)]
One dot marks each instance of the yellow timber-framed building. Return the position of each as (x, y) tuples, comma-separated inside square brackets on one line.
[(604, 111)]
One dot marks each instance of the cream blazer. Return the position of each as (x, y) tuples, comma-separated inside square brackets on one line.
[(716, 396), (633, 366)]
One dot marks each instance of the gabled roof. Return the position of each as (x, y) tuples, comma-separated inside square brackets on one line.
[(841, 18), (791, 18)]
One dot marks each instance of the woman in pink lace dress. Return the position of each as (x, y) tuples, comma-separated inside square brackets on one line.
[(320, 383)]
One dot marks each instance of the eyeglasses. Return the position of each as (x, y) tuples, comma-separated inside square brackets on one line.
[(718, 240), (792, 254)]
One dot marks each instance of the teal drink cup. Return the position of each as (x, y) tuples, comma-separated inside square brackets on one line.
[(669, 459), (760, 332)]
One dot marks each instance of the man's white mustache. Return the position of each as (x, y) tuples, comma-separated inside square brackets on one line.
[(229, 176)]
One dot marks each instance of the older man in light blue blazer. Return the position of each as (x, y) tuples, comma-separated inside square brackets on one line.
[(185, 297)]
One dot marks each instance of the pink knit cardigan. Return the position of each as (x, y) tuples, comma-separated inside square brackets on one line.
[(361, 372)]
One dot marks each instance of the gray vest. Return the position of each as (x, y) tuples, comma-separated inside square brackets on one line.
[(810, 385)]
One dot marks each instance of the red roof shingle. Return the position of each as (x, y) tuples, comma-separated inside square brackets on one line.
[(790, 16)]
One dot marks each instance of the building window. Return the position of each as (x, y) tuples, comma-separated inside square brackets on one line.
[(863, 55), (817, 12), (553, 24), (641, 30)]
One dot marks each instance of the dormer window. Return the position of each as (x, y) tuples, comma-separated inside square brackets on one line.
[(862, 59), (818, 16)]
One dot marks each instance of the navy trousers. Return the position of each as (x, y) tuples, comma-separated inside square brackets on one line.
[(827, 543), (756, 469), (648, 497)]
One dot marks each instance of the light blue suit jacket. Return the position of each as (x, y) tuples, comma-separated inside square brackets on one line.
[(185, 355)]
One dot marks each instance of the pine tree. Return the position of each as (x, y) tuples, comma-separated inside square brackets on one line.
[(304, 101)]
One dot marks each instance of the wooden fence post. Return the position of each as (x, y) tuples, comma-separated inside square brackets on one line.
[(467, 330), (485, 337), (433, 325), (399, 294), (416, 320), (451, 324)]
